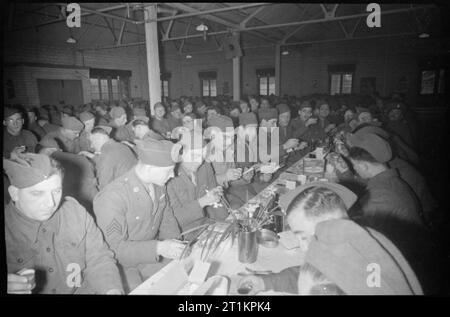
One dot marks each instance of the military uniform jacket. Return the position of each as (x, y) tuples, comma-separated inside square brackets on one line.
[(123, 133), (84, 142), (25, 138), (416, 181), (67, 251), (184, 195), (38, 131), (161, 126), (132, 221), (114, 160), (388, 195), (67, 145)]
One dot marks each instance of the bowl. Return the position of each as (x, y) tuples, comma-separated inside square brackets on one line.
[(267, 238)]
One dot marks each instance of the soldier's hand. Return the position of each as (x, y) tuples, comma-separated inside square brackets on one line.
[(210, 198), (291, 143), (87, 154), (265, 177), (302, 145), (341, 165), (234, 174), (330, 127), (171, 249), (17, 152), (18, 284), (310, 121), (251, 285), (248, 176)]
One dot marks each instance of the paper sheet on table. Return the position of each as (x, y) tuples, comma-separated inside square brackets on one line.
[(277, 259)]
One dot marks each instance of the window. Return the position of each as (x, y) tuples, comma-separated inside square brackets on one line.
[(341, 79), (165, 77), (109, 84), (432, 82), (208, 81), (95, 89), (266, 81)]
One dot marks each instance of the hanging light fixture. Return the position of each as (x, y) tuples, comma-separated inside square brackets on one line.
[(188, 56), (285, 52), (424, 35), (202, 27), (71, 39)]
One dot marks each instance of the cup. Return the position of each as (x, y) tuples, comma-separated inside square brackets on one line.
[(29, 274), (247, 246)]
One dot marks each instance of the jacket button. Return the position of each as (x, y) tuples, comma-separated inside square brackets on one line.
[(48, 249), (20, 260), (50, 270)]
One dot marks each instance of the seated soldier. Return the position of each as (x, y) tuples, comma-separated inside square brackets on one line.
[(306, 125), (79, 181), (188, 107), (15, 138), (121, 130), (398, 125), (135, 215), (387, 196), (88, 119), (32, 124), (44, 122), (338, 251), (159, 123), (103, 117), (112, 159), (222, 155), (175, 116), (67, 136), (409, 174), (56, 239), (194, 192), (141, 130)]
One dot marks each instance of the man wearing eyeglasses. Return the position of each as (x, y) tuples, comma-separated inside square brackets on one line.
[(15, 138)]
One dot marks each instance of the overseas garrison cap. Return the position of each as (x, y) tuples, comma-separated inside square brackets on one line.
[(283, 108), (347, 196), (28, 170), (139, 113), (86, 116), (106, 128), (48, 142), (305, 104), (370, 128), (395, 105), (117, 112), (159, 153), (72, 123), (9, 111), (267, 114), (220, 121), (378, 147), (344, 251), (363, 109), (247, 118)]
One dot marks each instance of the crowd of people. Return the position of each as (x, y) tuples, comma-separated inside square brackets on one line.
[(98, 185)]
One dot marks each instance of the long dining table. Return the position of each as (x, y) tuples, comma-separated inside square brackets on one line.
[(170, 280)]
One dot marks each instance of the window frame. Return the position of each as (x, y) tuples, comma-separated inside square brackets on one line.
[(208, 76), (341, 70), (266, 73)]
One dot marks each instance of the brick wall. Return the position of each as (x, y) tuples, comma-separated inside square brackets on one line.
[(303, 71)]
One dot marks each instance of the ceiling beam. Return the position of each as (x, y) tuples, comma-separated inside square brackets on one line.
[(59, 20), (289, 35), (215, 19), (244, 22), (169, 28), (270, 45), (111, 29), (329, 13), (194, 12), (101, 13)]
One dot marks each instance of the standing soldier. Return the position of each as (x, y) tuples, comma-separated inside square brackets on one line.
[(88, 120), (135, 216), (32, 123), (57, 242), (15, 138)]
